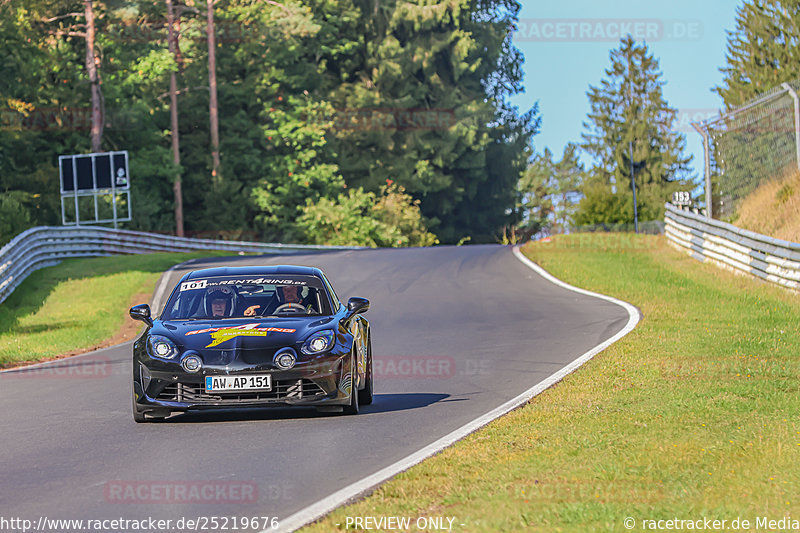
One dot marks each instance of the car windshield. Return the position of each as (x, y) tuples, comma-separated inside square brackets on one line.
[(219, 298)]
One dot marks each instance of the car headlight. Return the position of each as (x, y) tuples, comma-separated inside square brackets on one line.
[(318, 342), (161, 347)]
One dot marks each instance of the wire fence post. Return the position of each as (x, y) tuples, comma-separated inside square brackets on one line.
[(709, 203), (793, 94), (749, 146)]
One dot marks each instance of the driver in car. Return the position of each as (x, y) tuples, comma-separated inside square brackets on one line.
[(286, 294), (220, 301), (291, 294)]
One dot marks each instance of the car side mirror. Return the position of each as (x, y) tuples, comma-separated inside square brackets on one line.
[(356, 305), (141, 312)]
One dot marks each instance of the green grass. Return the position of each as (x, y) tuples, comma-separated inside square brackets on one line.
[(77, 304), (693, 414)]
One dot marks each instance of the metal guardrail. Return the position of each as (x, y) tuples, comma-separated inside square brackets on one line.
[(734, 248), (45, 246)]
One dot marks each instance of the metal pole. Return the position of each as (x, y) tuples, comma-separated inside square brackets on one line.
[(75, 191), (630, 148), (704, 134), (94, 186), (633, 185), (128, 180), (113, 187), (793, 94)]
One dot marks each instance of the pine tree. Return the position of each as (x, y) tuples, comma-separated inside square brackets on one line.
[(569, 176), (537, 187), (550, 190), (450, 65), (763, 50), (628, 110)]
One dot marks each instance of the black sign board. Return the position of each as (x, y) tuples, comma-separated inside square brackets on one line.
[(90, 172), (95, 188)]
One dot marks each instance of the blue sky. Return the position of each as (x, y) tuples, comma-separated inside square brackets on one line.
[(564, 54)]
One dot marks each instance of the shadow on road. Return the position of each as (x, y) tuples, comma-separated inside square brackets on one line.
[(382, 403)]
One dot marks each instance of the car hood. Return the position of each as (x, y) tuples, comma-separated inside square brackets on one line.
[(241, 334)]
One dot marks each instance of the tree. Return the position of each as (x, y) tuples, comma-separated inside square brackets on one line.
[(174, 50), (550, 190), (420, 97), (569, 175), (763, 50), (628, 110), (536, 187), (213, 106), (426, 86)]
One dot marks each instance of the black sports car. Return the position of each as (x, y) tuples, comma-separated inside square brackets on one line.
[(252, 337)]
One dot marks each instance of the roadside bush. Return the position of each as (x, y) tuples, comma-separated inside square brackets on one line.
[(391, 218), (14, 215)]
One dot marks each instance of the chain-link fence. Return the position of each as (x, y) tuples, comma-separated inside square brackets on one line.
[(748, 146)]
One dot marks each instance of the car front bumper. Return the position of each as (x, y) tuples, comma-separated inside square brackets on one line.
[(160, 387)]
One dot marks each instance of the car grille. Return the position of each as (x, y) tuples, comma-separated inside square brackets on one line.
[(294, 389)]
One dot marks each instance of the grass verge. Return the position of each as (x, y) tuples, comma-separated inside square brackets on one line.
[(694, 414), (79, 305)]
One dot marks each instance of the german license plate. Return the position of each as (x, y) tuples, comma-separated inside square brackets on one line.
[(238, 383)]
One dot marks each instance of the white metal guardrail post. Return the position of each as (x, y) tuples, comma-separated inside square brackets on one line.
[(733, 248)]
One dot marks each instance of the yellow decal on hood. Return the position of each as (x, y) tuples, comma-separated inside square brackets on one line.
[(220, 335), (226, 334)]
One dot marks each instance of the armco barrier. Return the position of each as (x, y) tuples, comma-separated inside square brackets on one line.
[(734, 248), (46, 246)]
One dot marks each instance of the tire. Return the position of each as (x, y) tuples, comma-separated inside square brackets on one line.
[(352, 407), (365, 395)]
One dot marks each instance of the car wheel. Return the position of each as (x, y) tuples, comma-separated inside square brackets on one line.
[(365, 395), (352, 407)]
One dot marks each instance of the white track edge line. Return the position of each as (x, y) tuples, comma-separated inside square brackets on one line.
[(324, 506)]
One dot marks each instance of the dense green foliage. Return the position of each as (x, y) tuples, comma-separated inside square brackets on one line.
[(317, 99), (628, 112), (763, 50), (365, 219)]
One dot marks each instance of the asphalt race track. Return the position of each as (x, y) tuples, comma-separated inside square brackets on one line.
[(457, 331)]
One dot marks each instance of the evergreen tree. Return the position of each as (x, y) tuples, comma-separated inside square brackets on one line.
[(290, 74), (420, 92), (569, 176), (763, 50), (550, 190), (628, 111), (536, 188)]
